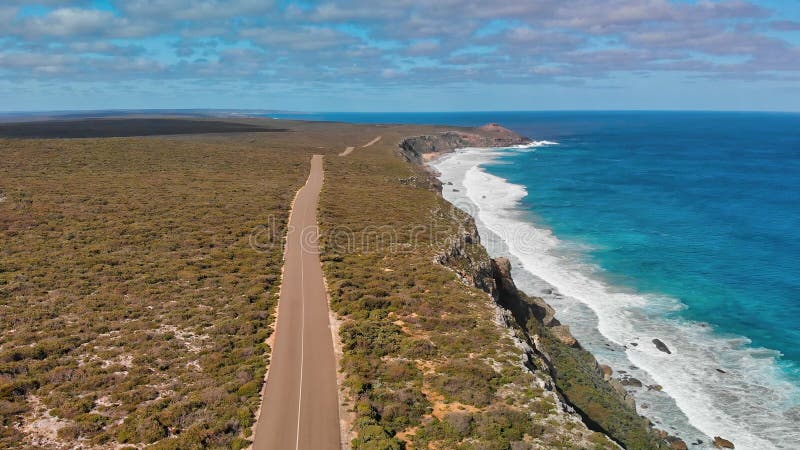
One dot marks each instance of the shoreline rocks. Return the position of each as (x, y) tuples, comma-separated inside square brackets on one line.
[(630, 381), (676, 443), (722, 443), (661, 346)]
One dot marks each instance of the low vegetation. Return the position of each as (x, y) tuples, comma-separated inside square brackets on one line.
[(132, 308), (428, 360)]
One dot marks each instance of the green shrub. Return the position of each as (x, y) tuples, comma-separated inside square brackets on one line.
[(468, 381)]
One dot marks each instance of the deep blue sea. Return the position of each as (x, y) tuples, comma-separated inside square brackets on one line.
[(683, 226)]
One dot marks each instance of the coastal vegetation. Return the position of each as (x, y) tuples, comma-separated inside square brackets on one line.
[(428, 359), (132, 308)]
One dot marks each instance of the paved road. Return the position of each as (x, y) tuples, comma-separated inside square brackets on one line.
[(300, 409)]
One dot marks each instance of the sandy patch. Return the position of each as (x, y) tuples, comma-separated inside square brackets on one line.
[(428, 157), (124, 360), (40, 427), (347, 151), (442, 407), (406, 436), (193, 342)]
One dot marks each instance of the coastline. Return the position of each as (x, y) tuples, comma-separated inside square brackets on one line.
[(584, 385), (667, 407)]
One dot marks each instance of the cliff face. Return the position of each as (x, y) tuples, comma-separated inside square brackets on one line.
[(490, 135), (554, 354), (468, 261)]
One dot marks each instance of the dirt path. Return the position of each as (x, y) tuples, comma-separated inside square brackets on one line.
[(372, 142), (300, 405), (349, 150)]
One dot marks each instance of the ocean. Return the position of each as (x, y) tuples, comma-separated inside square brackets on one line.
[(677, 226)]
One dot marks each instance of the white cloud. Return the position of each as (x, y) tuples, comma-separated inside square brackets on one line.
[(77, 22), (299, 39), (197, 10)]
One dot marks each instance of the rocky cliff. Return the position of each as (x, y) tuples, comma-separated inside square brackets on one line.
[(582, 384), (489, 135)]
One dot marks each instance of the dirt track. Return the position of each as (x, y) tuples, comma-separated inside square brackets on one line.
[(349, 150), (300, 405)]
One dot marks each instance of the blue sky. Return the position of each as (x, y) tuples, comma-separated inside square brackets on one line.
[(400, 55)]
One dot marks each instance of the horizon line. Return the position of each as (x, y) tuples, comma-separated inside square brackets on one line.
[(289, 111)]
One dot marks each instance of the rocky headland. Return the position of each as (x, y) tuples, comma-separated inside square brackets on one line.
[(415, 148)]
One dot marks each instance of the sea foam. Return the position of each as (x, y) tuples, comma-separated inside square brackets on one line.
[(712, 385)]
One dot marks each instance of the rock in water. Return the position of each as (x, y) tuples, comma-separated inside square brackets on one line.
[(661, 346), (630, 381), (676, 443), (722, 443)]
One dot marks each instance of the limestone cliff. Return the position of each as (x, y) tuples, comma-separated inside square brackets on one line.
[(489, 135)]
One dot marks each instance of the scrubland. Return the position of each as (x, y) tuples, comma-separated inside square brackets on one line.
[(139, 278), (132, 307)]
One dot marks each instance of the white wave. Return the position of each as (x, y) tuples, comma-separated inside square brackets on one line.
[(751, 403), (533, 144)]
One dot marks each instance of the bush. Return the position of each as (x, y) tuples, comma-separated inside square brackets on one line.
[(375, 437), (468, 381)]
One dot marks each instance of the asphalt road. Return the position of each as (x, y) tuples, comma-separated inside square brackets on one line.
[(300, 405)]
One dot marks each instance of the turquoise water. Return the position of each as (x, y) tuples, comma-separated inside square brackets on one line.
[(674, 225), (704, 208)]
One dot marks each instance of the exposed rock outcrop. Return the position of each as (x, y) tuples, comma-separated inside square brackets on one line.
[(661, 346), (562, 333), (542, 311), (630, 381), (676, 443), (722, 443), (607, 371), (623, 394), (473, 269), (490, 135)]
